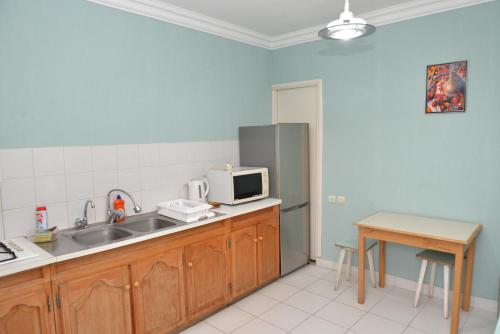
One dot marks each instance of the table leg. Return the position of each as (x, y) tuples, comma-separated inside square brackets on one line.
[(361, 266), (381, 263), (457, 289), (468, 276)]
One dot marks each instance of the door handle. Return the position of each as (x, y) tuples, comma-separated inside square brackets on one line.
[(295, 207)]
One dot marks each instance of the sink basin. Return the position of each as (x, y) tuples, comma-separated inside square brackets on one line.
[(100, 236), (149, 225)]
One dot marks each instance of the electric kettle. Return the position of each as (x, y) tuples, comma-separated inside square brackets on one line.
[(198, 190)]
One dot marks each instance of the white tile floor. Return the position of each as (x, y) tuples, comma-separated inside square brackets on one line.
[(305, 303)]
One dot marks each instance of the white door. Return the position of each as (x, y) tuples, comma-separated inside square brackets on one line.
[(301, 102)]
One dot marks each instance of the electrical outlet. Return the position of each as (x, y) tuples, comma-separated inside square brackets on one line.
[(341, 199), (332, 198)]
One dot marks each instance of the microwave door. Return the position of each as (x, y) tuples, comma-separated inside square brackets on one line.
[(247, 186)]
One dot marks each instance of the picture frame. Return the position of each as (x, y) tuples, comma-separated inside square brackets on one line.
[(446, 88)]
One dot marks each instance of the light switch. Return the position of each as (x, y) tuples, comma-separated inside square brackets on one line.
[(332, 198), (341, 199)]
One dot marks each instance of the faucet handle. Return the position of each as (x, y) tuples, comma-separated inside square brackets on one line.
[(81, 222)]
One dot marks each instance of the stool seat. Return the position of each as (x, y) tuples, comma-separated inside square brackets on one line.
[(438, 257), (350, 248), (354, 245), (433, 257)]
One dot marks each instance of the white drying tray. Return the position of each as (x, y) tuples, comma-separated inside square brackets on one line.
[(185, 210)]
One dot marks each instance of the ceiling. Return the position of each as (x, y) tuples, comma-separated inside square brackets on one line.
[(274, 24), (276, 17)]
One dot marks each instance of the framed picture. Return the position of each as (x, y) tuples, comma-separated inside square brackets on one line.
[(446, 88)]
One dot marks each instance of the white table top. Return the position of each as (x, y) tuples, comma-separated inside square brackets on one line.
[(449, 230)]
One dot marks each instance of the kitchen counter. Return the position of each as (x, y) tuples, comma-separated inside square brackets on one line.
[(73, 250)]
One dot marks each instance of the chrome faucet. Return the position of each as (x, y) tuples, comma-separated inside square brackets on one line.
[(84, 222), (111, 214)]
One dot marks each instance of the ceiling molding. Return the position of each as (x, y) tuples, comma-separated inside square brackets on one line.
[(161, 11), (405, 11)]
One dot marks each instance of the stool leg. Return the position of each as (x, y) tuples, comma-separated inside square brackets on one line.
[(339, 267), (369, 254), (446, 289), (349, 261), (432, 279), (420, 282)]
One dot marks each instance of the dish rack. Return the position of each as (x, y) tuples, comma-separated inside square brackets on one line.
[(185, 210)]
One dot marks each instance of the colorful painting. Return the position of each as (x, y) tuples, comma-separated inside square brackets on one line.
[(446, 87)]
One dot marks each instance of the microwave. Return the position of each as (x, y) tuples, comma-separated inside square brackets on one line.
[(238, 185)]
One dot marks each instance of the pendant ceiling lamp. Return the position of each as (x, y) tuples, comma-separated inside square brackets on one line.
[(346, 27)]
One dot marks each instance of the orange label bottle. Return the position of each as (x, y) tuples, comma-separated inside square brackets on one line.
[(119, 207)]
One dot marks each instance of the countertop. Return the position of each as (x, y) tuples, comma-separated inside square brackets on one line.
[(46, 258)]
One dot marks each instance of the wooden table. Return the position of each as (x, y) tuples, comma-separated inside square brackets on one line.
[(442, 235)]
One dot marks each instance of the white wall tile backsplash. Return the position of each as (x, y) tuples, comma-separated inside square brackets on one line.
[(77, 159), (17, 193), (63, 178), (16, 163), (48, 161)]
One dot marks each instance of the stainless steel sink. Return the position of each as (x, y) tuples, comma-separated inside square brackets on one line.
[(100, 236), (149, 225)]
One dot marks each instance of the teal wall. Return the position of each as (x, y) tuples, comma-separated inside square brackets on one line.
[(73, 72), (76, 73), (384, 153)]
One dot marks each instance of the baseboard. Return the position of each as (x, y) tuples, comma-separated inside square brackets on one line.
[(479, 302)]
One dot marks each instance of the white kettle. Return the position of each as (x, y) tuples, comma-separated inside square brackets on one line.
[(198, 190)]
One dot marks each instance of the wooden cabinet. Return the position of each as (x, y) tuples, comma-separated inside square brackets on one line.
[(97, 303), (268, 257), (157, 286), (244, 260), (207, 287), (158, 293), (25, 303), (26, 313), (255, 252)]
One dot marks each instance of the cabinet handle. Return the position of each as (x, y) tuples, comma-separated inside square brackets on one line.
[(127, 287), (49, 304), (255, 240), (190, 264), (136, 284), (260, 238)]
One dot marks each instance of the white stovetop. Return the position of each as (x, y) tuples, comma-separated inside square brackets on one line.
[(45, 258)]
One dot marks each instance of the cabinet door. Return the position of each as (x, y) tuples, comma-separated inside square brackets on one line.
[(268, 250), (207, 288), (98, 303), (244, 260), (27, 314), (158, 293)]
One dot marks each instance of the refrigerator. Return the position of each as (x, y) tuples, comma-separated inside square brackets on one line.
[(284, 149)]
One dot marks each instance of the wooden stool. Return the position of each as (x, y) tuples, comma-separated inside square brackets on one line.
[(351, 248), (435, 257)]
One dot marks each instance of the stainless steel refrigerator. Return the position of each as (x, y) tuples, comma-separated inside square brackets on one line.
[(284, 150)]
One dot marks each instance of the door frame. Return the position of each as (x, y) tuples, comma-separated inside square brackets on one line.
[(318, 84)]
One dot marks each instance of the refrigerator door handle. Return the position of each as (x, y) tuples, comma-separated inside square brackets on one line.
[(295, 207)]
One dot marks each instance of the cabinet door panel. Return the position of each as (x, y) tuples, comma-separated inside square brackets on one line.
[(206, 276), (244, 260), (98, 303), (26, 314), (159, 294), (268, 250)]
